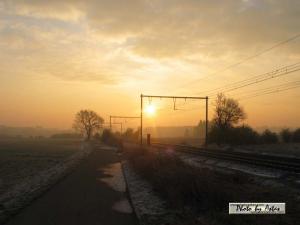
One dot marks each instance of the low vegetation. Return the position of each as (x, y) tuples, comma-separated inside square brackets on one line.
[(110, 138), (116, 138), (202, 195)]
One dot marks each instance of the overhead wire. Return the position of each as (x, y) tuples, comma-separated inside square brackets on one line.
[(281, 89), (257, 79), (244, 60)]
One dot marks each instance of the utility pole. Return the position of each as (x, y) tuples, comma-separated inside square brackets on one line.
[(142, 119), (174, 99), (206, 121), (120, 117)]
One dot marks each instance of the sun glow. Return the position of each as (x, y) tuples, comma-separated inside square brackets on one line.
[(150, 110)]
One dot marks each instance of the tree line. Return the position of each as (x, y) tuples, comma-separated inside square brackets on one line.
[(225, 128), (90, 125)]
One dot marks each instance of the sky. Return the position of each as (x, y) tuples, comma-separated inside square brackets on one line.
[(57, 57)]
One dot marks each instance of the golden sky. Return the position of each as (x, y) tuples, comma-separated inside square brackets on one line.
[(57, 57)]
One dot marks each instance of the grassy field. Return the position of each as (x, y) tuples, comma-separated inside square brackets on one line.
[(21, 159)]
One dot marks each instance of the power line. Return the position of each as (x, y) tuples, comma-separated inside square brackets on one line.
[(274, 87), (259, 53), (271, 92), (121, 117), (234, 84), (245, 59), (257, 79)]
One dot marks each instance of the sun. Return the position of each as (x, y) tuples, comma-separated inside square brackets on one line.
[(150, 110)]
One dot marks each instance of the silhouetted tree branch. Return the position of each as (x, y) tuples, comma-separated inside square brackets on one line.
[(228, 112), (87, 122)]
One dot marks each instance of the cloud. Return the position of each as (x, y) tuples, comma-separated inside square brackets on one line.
[(175, 27), (62, 54), (62, 10), (94, 40)]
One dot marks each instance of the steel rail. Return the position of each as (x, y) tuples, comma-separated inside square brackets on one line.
[(271, 161)]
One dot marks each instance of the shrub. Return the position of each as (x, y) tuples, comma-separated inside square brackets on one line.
[(111, 139), (131, 135), (234, 135), (243, 135), (106, 135), (269, 137), (97, 136), (286, 135), (296, 135), (216, 135)]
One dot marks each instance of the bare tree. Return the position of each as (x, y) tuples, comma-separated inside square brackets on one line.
[(228, 112), (87, 122)]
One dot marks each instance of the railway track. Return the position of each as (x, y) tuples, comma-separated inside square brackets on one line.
[(276, 162)]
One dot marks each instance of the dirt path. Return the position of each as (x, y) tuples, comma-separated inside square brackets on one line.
[(93, 194)]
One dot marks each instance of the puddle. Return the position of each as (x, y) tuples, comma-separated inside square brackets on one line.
[(115, 180), (115, 177), (122, 206)]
